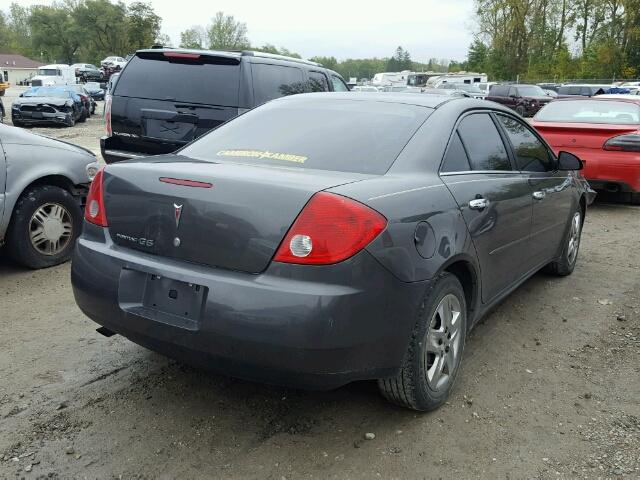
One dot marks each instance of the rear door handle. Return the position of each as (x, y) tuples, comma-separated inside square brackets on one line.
[(478, 204), (539, 195)]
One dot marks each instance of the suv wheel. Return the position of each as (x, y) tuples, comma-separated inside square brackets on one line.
[(45, 224), (434, 355), (520, 110)]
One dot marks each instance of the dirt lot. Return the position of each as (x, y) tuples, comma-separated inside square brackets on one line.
[(550, 388)]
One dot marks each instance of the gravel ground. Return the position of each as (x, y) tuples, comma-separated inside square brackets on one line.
[(550, 388)]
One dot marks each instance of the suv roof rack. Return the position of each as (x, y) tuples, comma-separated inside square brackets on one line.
[(252, 53)]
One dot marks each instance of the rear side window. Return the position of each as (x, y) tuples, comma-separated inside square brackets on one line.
[(274, 81), (483, 143), (456, 159), (338, 84), (531, 154), (499, 90), (206, 80), (318, 82), (341, 135)]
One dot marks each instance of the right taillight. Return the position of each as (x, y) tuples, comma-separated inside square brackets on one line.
[(107, 116), (624, 143), (94, 210), (330, 229)]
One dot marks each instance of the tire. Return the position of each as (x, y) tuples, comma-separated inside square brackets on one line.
[(17, 123), (24, 227), (71, 122), (411, 388), (564, 265), (520, 111), (83, 115)]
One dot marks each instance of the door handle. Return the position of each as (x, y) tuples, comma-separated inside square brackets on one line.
[(478, 204), (539, 195)]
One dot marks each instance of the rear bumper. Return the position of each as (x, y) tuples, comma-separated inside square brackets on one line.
[(306, 327), (612, 171)]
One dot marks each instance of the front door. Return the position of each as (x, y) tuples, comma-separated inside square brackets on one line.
[(494, 198), (551, 190)]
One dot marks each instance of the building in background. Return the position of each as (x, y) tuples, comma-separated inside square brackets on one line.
[(17, 69)]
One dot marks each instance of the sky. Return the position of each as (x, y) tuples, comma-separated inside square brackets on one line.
[(339, 28)]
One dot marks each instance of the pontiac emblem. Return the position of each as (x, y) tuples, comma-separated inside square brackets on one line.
[(177, 213)]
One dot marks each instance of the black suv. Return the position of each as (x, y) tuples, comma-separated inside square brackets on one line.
[(165, 98)]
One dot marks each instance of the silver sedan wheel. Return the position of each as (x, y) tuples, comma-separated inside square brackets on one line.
[(443, 343), (51, 229), (574, 238)]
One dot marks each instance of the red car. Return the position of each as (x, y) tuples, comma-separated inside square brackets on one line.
[(604, 132)]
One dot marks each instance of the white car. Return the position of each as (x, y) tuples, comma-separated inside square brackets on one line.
[(114, 61)]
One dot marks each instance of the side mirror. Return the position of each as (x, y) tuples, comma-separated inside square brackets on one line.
[(568, 161)]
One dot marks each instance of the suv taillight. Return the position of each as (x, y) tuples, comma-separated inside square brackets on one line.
[(94, 210), (624, 143), (107, 116), (330, 229)]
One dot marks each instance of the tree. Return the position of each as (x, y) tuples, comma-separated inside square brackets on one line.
[(225, 33), (55, 32), (143, 25), (329, 62), (190, 38), (269, 48), (477, 56), (164, 40)]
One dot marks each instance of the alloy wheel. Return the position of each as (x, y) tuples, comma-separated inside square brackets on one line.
[(574, 238), (443, 343), (51, 229)]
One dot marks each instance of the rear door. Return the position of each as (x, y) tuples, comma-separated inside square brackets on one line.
[(551, 190), (494, 198), (3, 182), (163, 100)]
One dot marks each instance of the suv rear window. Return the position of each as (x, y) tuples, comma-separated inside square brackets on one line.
[(206, 80), (339, 135)]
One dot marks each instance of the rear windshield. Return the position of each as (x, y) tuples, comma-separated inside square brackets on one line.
[(206, 80), (590, 111), (318, 133)]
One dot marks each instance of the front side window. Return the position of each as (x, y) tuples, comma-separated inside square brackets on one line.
[(318, 82), (275, 81), (531, 154), (483, 143), (338, 84)]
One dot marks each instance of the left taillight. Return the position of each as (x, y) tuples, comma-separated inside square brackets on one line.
[(330, 229), (94, 211), (623, 143)]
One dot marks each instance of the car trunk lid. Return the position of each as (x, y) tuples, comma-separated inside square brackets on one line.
[(220, 214), (580, 135)]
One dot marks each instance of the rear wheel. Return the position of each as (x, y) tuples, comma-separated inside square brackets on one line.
[(83, 115), (434, 355), (45, 223), (520, 110), (571, 244)]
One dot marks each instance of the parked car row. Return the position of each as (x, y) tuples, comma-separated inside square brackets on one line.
[(59, 105)]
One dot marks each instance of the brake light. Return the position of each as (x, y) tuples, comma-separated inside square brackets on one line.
[(623, 143), (94, 211), (107, 116), (330, 229), (182, 55)]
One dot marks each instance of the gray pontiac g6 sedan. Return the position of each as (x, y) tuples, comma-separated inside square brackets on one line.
[(325, 238)]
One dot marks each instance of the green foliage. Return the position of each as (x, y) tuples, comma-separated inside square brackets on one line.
[(269, 48), (78, 30), (401, 60), (530, 39), (225, 33)]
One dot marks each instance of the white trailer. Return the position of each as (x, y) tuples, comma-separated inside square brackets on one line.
[(461, 77), (56, 74)]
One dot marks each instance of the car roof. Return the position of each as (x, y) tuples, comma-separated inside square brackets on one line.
[(603, 98), (237, 54), (618, 96), (407, 98)]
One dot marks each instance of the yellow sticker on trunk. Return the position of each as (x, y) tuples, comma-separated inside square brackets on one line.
[(287, 157)]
